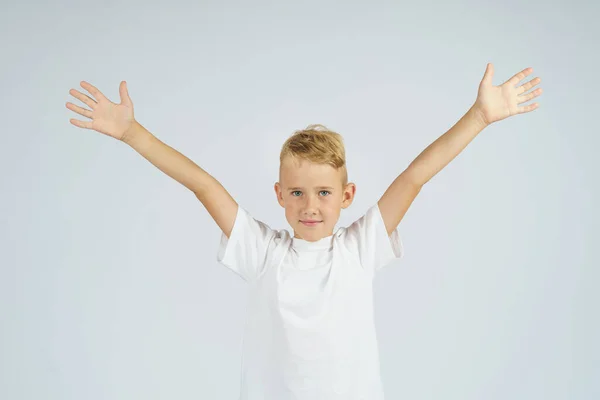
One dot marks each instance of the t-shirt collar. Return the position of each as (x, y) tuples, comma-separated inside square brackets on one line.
[(322, 244)]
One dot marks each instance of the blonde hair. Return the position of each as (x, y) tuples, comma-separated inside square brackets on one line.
[(319, 145)]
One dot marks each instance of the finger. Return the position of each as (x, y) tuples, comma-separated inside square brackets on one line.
[(84, 98), (93, 90), (124, 94), (529, 96), (528, 108), (79, 110), (520, 76), (526, 86), (81, 124)]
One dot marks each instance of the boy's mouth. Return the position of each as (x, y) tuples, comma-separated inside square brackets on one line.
[(310, 222)]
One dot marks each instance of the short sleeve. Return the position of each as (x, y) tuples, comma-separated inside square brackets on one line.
[(245, 251), (367, 238)]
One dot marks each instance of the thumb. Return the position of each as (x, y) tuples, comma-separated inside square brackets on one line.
[(489, 74), (125, 99)]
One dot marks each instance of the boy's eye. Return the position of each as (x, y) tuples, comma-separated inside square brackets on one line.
[(298, 191)]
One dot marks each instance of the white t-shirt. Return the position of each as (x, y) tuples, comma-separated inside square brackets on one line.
[(310, 331)]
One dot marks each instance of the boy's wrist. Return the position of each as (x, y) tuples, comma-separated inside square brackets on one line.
[(478, 117), (133, 135)]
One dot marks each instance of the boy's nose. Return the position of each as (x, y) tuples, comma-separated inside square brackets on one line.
[(310, 213), (310, 207)]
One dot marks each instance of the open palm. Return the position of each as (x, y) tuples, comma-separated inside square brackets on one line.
[(495, 103), (106, 117)]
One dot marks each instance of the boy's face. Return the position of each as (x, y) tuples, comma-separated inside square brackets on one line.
[(311, 191)]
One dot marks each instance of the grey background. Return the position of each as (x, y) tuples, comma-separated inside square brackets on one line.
[(109, 285)]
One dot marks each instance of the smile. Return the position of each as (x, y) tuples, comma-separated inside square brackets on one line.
[(311, 223)]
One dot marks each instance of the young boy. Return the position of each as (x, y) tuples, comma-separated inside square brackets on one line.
[(310, 332)]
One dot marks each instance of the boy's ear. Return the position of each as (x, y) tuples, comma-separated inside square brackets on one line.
[(279, 194), (348, 196)]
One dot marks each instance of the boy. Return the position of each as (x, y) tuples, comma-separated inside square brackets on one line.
[(310, 332)]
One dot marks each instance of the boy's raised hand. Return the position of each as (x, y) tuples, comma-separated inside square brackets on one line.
[(495, 103), (106, 117)]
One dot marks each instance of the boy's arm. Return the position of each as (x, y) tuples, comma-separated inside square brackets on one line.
[(400, 195), (493, 103), (217, 201)]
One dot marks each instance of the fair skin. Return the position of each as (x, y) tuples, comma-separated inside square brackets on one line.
[(310, 191), (493, 103)]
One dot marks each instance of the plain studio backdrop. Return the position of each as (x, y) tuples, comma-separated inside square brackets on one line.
[(109, 284)]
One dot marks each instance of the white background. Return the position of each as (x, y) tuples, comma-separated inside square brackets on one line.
[(109, 285)]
